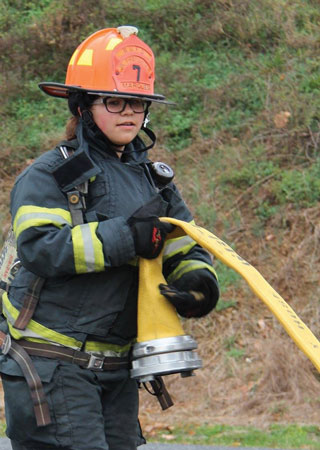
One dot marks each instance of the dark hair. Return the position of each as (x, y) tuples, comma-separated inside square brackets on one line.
[(80, 100), (77, 100)]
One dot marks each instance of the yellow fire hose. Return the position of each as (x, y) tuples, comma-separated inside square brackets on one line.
[(162, 320), (157, 317)]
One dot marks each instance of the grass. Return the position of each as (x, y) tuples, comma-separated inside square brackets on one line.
[(275, 436), (2, 429), (249, 65)]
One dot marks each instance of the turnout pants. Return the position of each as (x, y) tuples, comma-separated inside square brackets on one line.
[(89, 409)]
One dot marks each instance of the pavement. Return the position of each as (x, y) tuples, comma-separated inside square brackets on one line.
[(5, 445)]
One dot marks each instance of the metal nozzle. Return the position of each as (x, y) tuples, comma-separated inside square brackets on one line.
[(165, 356)]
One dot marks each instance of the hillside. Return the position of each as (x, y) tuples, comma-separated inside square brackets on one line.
[(244, 141)]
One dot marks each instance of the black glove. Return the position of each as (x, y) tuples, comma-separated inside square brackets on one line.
[(195, 294), (148, 232)]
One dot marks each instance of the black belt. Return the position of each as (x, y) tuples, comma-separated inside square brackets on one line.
[(83, 359), (96, 363), (20, 351)]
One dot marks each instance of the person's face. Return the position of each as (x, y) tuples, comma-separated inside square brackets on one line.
[(119, 127)]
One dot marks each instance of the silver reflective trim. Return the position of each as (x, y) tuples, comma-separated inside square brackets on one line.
[(53, 218), (27, 333), (23, 333), (9, 317), (192, 265), (88, 247), (179, 244)]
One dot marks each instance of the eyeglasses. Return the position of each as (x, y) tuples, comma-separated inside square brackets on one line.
[(118, 105)]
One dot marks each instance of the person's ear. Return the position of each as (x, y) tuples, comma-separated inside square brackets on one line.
[(79, 111)]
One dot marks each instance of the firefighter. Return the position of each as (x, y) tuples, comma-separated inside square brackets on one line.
[(83, 213)]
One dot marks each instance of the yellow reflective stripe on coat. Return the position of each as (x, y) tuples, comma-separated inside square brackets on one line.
[(188, 266), (87, 248), (178, 245), (106, 349), (35, 331), (35, 216), (294, 326)]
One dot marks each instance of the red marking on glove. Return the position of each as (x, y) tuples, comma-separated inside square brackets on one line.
[(156, 237)]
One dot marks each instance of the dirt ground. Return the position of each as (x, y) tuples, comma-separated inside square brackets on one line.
[(253, 372)]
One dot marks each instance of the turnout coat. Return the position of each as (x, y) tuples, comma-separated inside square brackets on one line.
[(86, 276)]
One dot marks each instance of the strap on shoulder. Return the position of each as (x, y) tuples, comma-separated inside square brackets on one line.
[(76, 197)]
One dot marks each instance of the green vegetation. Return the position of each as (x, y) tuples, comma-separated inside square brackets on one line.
[(238, 71), (237, 65), (276, 436)]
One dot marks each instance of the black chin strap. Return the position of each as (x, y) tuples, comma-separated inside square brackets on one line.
[(151, 136), (87, 118)]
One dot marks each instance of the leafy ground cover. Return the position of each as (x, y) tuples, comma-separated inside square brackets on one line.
[(275, 436)]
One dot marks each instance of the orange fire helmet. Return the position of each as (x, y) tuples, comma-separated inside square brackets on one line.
[(112, 61)]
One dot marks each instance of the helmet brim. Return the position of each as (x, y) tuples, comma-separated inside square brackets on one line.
[(63, 90)]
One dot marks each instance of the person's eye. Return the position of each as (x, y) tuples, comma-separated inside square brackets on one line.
[(138, 105), (114, 102)]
